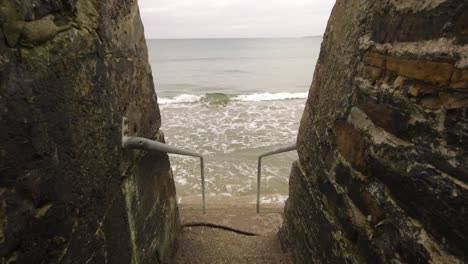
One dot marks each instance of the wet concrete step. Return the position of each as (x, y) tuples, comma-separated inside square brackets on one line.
[(213, 245)]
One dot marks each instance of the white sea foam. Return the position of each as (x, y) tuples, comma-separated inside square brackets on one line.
[(276, 198), (183, 98), (231, 138), (257, 97), (181, 180)]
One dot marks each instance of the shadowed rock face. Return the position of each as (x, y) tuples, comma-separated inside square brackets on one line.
[(382, 169), (69, 71)]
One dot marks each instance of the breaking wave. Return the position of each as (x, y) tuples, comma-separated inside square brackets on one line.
[(256, 97)]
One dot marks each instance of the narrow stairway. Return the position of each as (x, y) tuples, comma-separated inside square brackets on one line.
[(209, 244)]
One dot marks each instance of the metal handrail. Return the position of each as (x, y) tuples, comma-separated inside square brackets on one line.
[(151, 145), (259, 171)]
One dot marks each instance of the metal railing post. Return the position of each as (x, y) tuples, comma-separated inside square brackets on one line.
[(259, 169), (152, 145), (202, 173), (259, 178)]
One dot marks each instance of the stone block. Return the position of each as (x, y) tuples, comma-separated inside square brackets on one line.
[(386, 117), (419, 89), (413, 24), (309, 232), (376, 212), (453, 100), (399, 82), (371, 73), (350, 143), (459, 79), (459, 85), (459, 75), (412, 183), (356, 191), (431, 102), (428, 71), (375, 59)]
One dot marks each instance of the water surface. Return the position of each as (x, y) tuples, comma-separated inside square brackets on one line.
[(261, 86)]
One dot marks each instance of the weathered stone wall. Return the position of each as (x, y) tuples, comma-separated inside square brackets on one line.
[(69, 71), (382, 170)]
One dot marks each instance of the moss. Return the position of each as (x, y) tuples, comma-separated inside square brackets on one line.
[(40, 57), (27, 33), (86, 14), (128, 189), (41, 30), (11, 20), (10, 10)]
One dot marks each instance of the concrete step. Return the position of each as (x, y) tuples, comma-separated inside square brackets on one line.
[(212, 245)]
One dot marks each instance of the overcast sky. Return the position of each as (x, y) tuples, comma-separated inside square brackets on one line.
[(234, 18)]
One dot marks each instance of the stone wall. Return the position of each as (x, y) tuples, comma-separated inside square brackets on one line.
[(69, 71), (382, 169)]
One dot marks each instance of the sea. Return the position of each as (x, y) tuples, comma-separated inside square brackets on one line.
[(231, 100)]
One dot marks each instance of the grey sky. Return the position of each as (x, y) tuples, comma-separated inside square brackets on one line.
[(234, 18)]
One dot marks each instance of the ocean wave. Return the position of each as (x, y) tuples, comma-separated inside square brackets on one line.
[(183, 98), (256, 97)]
